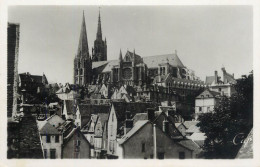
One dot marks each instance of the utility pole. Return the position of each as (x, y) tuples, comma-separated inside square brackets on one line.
[(154, 142)]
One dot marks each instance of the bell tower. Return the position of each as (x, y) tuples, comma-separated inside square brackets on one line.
[(99, 51), (82, 60)]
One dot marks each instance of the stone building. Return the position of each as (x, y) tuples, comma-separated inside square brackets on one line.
[(82, 61), (205, 102), (139, 143), (130, 70), (224, 85), (12, 66)]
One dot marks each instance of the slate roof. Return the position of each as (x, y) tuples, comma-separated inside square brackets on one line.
[(97, 64), (103, 117), (197, 137), (150, 61), (193, 129), (110, 65), (208, 92), (136, 127), (48, 129), (188, 124), (24, 77), (153, 61)]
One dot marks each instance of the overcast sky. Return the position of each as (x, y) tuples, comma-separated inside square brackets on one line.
[(205, 37)]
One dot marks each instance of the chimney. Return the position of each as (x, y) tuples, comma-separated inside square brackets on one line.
[(129, 123), (170, 112), (150, 114), (166, 126), (216, 77)]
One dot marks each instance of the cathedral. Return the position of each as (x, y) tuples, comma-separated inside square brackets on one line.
[(131, 69)]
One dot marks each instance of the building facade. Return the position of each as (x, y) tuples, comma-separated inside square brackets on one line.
[(12, 67)]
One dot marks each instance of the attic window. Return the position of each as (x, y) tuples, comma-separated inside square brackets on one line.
[(208, 96), (202, 96)]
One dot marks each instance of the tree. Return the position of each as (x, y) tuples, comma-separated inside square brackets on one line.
[(232, 116)]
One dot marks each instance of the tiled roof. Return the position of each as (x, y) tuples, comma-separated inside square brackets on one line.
[(136, 127), (49, 129), (153, 61), (209, 80), (188, 124)]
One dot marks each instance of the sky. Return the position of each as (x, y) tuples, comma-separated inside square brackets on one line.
[(206, 37)]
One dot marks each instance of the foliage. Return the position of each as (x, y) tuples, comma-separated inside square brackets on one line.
[(232, 115)]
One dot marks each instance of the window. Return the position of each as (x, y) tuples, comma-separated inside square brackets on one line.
[(113, 117), (78, 143), (202, 96), (57, 138), (208, 109), (45, 153), (160, 155), (219, 89), (200, 108), (53, 153), (207, 96), (143, 147), (48, 138), (181, 155), (151, 156)]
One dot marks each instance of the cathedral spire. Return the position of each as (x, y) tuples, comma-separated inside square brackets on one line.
[(99, 31), (120, 56), (83, 40)]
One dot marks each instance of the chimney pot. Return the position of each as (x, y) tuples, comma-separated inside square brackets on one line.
[(166, 126), (150, 114)]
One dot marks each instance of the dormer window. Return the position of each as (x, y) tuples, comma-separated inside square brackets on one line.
[(202, 96)]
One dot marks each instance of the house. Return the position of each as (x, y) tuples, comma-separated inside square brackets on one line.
[(76, 146), (224, 86), (69, 110), (122, 94), (138, 143), (104, 91), (68, 92), (51, 140), (205, 102), (100, 138)]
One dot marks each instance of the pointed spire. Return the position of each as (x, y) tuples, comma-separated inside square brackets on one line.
[(120, 56), (99, 31), (83, 40)]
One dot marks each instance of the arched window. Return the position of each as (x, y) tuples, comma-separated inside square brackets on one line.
[(81, 71)]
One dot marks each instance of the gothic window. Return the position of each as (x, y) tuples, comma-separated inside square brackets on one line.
[(76, 71), (81, 71), (78, 64), (127, 73)]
